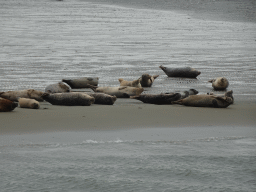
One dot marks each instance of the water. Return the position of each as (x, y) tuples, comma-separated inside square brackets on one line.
[(45, 41), (90, 161)]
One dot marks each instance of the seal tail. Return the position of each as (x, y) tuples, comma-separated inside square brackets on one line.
[(93, 87), (135, 97), (212, 80), (155, 76), (179, 102)]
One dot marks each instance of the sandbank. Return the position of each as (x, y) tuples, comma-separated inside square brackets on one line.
[(123, 115)]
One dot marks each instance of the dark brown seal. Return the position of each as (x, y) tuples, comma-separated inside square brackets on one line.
[(28, 93), (7, 105), (220, 83), (60, 87), (205, 101), (82, 82), (69, 99), (187, 72), (160, 99), (147, 80)]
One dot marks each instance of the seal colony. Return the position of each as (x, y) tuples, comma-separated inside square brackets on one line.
[(62, 94)]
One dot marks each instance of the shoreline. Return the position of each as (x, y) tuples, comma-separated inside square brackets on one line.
[(123, 115)]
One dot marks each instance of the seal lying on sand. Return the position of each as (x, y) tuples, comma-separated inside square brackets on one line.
[(29, 103), (220, 83), (69, 99), (119, 92), (227, 94), (185, 94), (160, 99), (81, 82), (60, 87), (7, 105), (205, 101), (147, 80), (102, 98), (28, 93), (180, 72), (135, 83)]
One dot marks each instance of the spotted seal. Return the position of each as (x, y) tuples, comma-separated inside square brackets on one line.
[(220, 83), (160, 99), (187, 72), (205, 101), (69, 99), (60, 87), (28, 103), (82, 82), (147, 80), (28, 93)]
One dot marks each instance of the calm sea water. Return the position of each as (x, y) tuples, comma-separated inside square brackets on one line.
[(224, 164), (45, 41)]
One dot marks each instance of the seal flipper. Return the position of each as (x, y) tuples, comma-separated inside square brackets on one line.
[(124, 87), (212, 80), (215, 103), (155, 76), (94, 88)]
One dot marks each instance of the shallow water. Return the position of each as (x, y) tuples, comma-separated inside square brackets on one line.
[(44, 42), (90, 161)]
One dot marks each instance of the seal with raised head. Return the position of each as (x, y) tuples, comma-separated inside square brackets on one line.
[(135, 83), (119, 92), (103, 99), (205, 101), (60, 87), (28, 103), (160, 99), (220, 83), (7, 105), (28, 93), (147, 80), (69, 99), (227, 94), (82, 82), (180, 72)]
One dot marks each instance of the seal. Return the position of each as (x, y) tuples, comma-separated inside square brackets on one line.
[(28, 93), (82, 82), (205, 101), (187, 72), (103, 99), (227, 94), (69, 99), (119, 92), (135, 83), (185, 94), (220, 83), (147, 80), (28, 103), (7, 105), (60, 87), (160, 99)]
